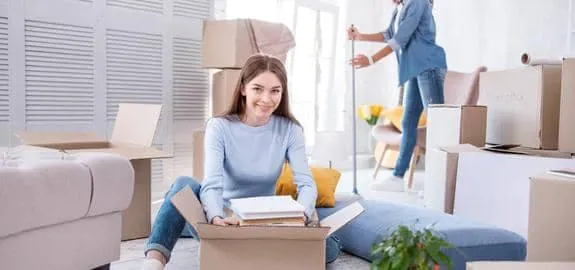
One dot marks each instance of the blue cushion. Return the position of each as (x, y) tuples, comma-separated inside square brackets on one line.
[(475, 241)]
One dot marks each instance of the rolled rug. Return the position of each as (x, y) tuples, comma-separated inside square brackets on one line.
[(531, 60)]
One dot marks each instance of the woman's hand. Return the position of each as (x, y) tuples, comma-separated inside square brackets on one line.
[(225, 221), (360, 61), (353, 33)]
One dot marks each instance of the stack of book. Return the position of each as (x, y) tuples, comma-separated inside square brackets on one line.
[(268, 211)]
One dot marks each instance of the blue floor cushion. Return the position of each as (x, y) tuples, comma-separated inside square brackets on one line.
[(474, 241)]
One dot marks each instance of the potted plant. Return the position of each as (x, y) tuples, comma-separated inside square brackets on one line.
[(410, 249)]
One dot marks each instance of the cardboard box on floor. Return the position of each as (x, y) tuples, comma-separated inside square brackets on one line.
[(493, 188), (260, 247), (551, 221), (523, 105), (442, 165), (132, 137), (441, 176), (567, 112), (227, 44), (450, 129), (500, 265), (224, 84)]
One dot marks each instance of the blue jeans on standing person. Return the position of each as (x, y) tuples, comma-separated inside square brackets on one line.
[(169, 224), (422, 90)]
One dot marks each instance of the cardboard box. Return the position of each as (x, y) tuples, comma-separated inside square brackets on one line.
[(523, 105), (567, 111), (500, 265), (455, 124), (551, 218), (260, 247), (493, 188), (223, 86), (132, 137), (441, 175), (198, 155), (229, 43)]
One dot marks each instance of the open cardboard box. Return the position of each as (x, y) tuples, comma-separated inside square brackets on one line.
[(260, 247), (132, 138)]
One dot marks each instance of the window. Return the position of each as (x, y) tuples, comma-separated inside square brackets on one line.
[(311, 64)]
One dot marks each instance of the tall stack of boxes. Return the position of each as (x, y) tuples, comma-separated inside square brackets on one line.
[(226, 45), (528, 130)]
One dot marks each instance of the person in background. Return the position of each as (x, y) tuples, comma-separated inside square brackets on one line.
[(245, 150), (422, 68)]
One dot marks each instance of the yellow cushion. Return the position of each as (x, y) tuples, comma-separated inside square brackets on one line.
[(395, 116), (325, 179)]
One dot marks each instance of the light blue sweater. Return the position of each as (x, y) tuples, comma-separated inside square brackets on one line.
[(244, 161)]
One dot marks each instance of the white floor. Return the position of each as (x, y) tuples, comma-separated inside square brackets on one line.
[(184, 253)]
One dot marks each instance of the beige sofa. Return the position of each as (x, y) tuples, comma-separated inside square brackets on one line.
[(61, 211)]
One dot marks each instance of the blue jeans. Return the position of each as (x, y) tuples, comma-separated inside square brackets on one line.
[(170, 224), (422, 90)]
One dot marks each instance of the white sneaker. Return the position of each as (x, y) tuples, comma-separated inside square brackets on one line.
[(392, 183), (152, 264)]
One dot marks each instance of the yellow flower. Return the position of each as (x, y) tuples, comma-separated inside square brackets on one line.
[(375, 110), (370, 113)]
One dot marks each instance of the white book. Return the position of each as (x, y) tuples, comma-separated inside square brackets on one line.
[(266, 207)]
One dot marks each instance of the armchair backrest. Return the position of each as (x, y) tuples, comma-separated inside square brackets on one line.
[(462, 88)]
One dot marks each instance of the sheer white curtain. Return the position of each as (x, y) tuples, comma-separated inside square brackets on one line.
[(316, 93)]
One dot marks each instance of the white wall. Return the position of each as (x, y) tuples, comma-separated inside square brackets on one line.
[(495, 34)]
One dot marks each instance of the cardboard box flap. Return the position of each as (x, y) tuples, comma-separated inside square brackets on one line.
[(340, 218), (460, 148), (519, 150), (127, 151), (560, 175), (42, 138), (190, 207), (209, 231), (136, 123)]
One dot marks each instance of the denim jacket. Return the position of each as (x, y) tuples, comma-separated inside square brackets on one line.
[(414, 42)]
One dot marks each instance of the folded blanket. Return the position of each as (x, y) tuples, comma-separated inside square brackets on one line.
[(270, 38)]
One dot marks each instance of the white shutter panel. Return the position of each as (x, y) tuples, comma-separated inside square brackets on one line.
[(4, 74), (190, 81), (198, 9), (143, 5), (184, 153), (59, 72), (158, 167), (133, 70), (134, 75)]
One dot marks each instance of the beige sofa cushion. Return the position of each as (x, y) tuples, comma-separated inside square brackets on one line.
[(113, 182), (39, 192), (41, 187)]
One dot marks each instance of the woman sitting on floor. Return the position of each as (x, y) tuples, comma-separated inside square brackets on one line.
[(245, 150)]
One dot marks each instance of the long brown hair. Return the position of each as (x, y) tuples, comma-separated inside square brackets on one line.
[(254, 66)]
